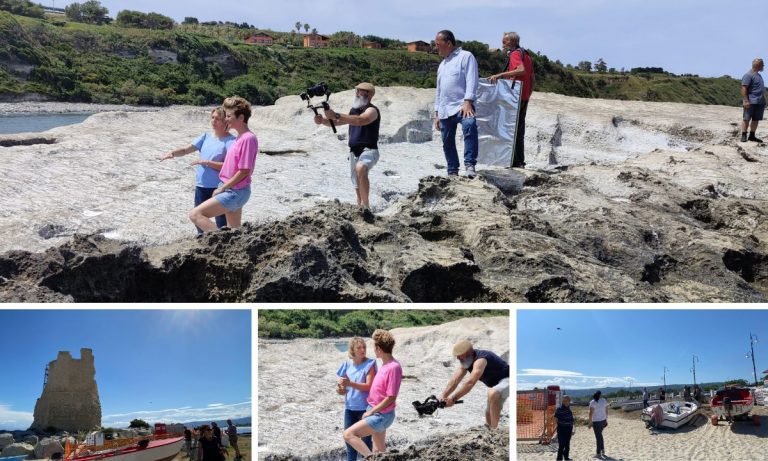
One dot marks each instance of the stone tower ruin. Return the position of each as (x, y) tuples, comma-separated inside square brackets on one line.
[(70, 399)]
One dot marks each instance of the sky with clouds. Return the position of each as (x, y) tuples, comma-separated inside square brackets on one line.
[(155, 365), (706, 37), (584, 349)]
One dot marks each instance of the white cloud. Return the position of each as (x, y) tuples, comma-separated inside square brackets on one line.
[(530, 378), (211, 412), (14, 420)]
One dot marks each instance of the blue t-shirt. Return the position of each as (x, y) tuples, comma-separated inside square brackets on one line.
[(214, 149), (354, 399), (755, 87)]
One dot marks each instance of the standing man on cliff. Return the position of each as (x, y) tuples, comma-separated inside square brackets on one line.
[(753, 100), (483, 366), (519, 68), (457, 81)]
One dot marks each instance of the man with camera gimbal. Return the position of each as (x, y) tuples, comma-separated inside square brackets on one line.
[(364, 120)]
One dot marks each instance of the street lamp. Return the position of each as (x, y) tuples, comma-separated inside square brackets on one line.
[(695, 359)]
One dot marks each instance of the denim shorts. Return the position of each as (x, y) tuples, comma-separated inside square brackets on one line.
[(369, 158), (379, 422), (234, 199), (754, 112)]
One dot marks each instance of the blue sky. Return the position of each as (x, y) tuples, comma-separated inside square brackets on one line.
[(156, 365), (705, 37), (601, 348)]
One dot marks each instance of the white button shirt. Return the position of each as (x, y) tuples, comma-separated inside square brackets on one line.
[(457, 80)]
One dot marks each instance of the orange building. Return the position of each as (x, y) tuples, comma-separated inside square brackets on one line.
[(259, 38), (315, 41), (419, 46), (372, 45)]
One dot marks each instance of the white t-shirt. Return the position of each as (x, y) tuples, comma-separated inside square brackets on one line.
[(599, 409)]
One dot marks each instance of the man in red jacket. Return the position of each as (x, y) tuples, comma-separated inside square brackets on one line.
[(520, 68)]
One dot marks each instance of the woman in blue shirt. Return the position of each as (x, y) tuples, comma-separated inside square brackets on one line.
[(213, 149), (355, 378)]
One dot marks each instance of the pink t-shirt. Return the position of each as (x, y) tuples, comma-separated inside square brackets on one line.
[(241, 156), (385, 384)]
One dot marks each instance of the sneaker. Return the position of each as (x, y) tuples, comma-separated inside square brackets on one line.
[(743, 137), (754, 139), (471, 171), (453, 173)]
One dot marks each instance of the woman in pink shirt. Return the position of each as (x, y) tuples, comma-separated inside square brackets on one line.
[(235, 175), (381, 399)]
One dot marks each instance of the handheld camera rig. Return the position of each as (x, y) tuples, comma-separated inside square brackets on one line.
[(430, 405), (321, 89)]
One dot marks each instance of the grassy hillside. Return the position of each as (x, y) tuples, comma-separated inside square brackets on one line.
[(68, 61), (287, 324)]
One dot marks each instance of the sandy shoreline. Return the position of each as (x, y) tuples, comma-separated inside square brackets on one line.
[(16, 108), (627, 439)]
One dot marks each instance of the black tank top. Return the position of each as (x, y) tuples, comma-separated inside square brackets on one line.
[(361, 137), (496, 369)]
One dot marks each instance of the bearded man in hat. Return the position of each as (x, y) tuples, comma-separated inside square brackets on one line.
[(483, 366), (364, 120)]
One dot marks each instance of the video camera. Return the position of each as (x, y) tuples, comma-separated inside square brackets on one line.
[(318, 90), (430, 405)]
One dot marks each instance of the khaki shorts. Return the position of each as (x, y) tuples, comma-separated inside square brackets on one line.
[(369, 158), (503, 388)]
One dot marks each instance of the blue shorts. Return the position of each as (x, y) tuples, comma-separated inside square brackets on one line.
[(379, 422), (754, 112), (234, 199)]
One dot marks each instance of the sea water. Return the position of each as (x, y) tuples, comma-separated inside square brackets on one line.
[(35, 123)]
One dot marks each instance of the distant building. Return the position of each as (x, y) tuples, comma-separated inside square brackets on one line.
[(316, 41), (419, 46), (372, 45), (259, 38)]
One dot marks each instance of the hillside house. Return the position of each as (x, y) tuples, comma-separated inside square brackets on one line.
[(316, 41), (259, 38), (418, 46)]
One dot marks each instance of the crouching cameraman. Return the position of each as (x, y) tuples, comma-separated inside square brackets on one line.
[(363, 120)]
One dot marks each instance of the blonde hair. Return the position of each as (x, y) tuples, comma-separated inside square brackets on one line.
[(239, 105), (219, 113), (353, 344), (384, 340)]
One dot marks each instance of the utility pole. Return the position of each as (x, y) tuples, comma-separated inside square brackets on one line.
[(695, 359), (665, 379), (752, 341)]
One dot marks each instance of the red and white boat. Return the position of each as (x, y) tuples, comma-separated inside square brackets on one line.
[(151, 448), (732, 403)]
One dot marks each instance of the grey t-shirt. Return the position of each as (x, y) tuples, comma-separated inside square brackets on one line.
[(755, 87)]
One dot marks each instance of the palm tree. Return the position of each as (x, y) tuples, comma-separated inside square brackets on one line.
[(298, 26), (306, 27)]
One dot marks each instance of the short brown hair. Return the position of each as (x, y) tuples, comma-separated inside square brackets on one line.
[(352, 344), (239, 105), (384, 340), (219, 113)]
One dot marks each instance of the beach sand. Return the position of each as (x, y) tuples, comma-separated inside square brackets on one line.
[(627, 439)]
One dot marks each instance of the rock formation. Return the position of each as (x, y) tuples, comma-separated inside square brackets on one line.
[(70, 399)]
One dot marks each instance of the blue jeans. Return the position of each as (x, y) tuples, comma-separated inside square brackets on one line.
[(201, 195), (448, 133), (350, 418)]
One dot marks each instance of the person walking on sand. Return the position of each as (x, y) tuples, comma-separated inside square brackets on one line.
[(662, 395), (645, 397), (209, 447), (355, 379), (235, 187), (380, 413), (188, 441), (564, 418), (753, 100), (598, 420), (483, 366), (213, 149), (232, 436)]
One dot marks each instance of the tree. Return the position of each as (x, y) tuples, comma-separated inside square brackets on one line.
[(90, 12), (314, 31), (306, 27), (584, 66), (139, 423), (22, 8), (128, 18), (601, 66), (190, 20), (297, 26)]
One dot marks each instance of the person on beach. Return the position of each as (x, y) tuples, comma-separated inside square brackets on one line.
[(564, 418), (519, 67), (380, 413), (216, 430), (456, 93), (209, 447), (598, 420), (697, 393), (483, 366), (364, 120), (645, 397), (355, 379), (753, 100), (188, 441), (213, 149), (232, 435), (662, 395), (234, 190)]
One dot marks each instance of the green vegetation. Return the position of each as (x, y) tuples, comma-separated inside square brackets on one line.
[(287, 324), (139, 423), (22, 8), (141, 60)]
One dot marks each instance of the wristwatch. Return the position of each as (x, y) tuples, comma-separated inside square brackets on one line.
[(338, 116)]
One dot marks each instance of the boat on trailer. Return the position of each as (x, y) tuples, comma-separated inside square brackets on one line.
[(732, 403), (162, 447), (669, 415)]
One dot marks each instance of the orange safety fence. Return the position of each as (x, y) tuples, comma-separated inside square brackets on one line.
[(535, 415)]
